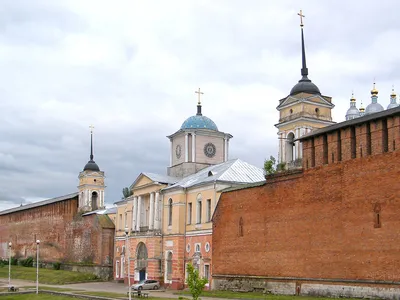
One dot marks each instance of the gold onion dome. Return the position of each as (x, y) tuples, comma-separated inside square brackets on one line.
[(374, 91), (393, 94)]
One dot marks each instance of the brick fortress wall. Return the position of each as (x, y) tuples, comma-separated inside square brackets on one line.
[(319, 230)]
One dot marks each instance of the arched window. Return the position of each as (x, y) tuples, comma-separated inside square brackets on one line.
[(141, 256), (169, 265), (94, 200), (169, 212), (199, 208), (241, 226), (290, 149)]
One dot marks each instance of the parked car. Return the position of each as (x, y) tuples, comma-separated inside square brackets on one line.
[(147, 284)]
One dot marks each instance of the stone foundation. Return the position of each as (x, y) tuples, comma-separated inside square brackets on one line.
[(373, 290), (103, 272)]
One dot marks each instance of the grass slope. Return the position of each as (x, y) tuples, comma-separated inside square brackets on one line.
[(35, 297), (47, 276)]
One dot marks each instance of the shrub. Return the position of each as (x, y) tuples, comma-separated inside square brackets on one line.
[(14, 261), (195, 283), (27, 262), (56, 265)]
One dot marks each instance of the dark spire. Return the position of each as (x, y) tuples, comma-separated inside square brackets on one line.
[(304, 70), (91, 142), (91, 165), (304, 85)]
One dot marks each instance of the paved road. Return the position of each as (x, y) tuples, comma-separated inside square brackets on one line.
[(110, 286)]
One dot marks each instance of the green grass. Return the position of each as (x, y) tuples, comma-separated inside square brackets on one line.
[(102, 294), (49, 288), (47, 276), (35, 297), (251, 295)]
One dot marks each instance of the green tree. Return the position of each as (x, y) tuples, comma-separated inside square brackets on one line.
[(195, 283), (126, 192), (269, 165)]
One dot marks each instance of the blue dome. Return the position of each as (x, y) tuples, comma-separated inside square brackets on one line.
[(199, 121)]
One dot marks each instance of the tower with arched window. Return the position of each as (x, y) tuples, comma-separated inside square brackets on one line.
[(302, 111), (91, 184)]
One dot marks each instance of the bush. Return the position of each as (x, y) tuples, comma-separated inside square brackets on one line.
[(195, 283), (28, 262), (56, 265), (14, 261)]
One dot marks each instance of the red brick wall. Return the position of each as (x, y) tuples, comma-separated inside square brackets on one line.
[(47, 223), (319, 224)]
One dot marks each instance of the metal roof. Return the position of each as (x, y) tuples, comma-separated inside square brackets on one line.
[(38, 204), (353, 122), (161, 178), (234, 171)]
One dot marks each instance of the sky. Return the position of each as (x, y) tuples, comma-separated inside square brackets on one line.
[(130, 68)]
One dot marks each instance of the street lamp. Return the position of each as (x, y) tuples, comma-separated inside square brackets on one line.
[(127, 255), (37, 266), (9, 264)]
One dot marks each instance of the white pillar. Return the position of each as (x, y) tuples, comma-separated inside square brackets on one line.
[(151, 213), (156, 208), (193, 147), (171, 154), (226, 148), (158, 211), (186, 147), (134, 213), (139, 213)]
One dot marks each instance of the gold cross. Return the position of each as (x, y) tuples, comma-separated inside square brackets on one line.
[(301, 17), (91, 128), (199, 93)]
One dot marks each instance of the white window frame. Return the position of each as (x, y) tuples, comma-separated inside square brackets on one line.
[(197, 246), (207, 245), (209, 272), (208, 212), (199, 208), (117, 269)]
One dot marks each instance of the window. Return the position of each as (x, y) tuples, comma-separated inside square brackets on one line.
[(188, 248), (169, 265), (207, 272), (241, 226), (126, 220), (208, 210), (189, 216), (197, 247), (207, 247), (377, 213), (170, 212), (120, 221), (117, 269), (199, 208)]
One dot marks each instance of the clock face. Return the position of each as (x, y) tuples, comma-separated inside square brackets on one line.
[(209, 150), (178, 151)]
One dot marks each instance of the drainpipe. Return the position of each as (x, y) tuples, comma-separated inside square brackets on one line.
[(184, 240)]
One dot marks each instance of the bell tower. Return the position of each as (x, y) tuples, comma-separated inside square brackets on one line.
[(302, 111), (91, 184)]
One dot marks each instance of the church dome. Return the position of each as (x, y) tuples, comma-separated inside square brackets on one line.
[(91, 166), (392, 105), (352, 113), (373, 108), (305, 86), (199, 121)]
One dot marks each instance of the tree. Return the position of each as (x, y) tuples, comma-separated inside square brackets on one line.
[(269, 165), (126, 192), (195, 283)]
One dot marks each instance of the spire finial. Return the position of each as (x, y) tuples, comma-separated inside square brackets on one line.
[(393, 94), (352, 96), (304, 70), (374, 91), (91, 141), (301, 17), (199, 93)]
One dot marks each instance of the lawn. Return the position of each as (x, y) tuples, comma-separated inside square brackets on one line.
[(35, 297), (251, 295), (47, 276)]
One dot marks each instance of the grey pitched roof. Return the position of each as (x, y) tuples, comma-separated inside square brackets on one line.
[(39, 203), (353, 122), (161, 178), (233, 171), (156, 178)]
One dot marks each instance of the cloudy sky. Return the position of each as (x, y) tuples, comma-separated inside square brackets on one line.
[(131, 69)]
